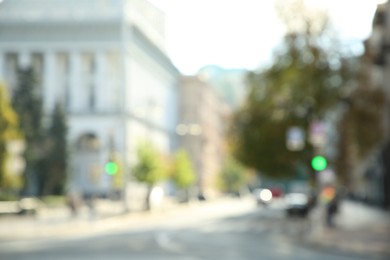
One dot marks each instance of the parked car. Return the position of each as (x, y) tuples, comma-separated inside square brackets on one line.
[(297, 204), (276, 192)]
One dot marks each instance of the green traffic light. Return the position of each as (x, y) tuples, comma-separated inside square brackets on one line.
[(319, 163), (111, 168)]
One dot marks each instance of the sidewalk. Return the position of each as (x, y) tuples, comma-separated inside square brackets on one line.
[(52, 221), (59, 222), (360, 229)]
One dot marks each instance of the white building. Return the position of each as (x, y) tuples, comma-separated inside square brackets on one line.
[(104, 60)]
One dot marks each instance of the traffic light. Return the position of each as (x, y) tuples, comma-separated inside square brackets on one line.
[(111, 168), (319, 163)]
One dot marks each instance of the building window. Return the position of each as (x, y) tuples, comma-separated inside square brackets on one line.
[(91, 97), (37, 65), (113, 81), (88, 69), (63, 79)]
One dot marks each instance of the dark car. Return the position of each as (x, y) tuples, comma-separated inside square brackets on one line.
[(297, 204)]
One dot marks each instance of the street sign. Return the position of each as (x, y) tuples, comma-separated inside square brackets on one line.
[(317, 134), (295, 139)]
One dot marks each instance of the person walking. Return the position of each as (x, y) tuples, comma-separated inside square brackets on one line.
[(331, 199)]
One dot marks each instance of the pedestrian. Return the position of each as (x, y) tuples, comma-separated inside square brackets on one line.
[(90, 201), (332, 209), (73, 202)]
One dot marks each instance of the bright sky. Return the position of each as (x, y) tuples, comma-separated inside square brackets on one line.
[(243, 33)]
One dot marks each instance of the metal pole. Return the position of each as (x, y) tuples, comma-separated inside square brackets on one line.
[(126, 30)]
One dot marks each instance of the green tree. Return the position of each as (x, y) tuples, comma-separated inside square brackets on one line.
[(233, 177), (27, 103), (8, 131), (304, 83), (56, 161), (182, 173), (150, 168)]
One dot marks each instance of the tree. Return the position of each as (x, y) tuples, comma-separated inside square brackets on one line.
[(27, 103), (233, 176), (8, 131), (183, 174), (150, 168), (56, 161), (304, 83)]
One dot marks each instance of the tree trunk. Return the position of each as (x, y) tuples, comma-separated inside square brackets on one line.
[(148, 195)]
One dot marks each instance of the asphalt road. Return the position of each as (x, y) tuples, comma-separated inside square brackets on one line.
[(250, 233)]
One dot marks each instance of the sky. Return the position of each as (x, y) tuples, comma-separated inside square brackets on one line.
[(244, 33)]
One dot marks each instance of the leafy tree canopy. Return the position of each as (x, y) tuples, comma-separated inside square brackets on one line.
[(56, 160), (27, 102), (234, 176), (183, 174), (150, 167), (8, 131), (8, 117), (304, 82)]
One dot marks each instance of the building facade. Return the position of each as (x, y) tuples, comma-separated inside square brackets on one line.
[(378, 50), (105, 62), (202, 125)]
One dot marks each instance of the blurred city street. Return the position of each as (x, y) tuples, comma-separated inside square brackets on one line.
[(185, 129), (224, 228)]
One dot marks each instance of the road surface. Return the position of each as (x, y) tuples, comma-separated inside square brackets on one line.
[(238, 230)]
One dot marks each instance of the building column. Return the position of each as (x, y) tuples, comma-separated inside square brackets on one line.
[(49, 82), (100, 83), (2, 67), (75, 82)]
